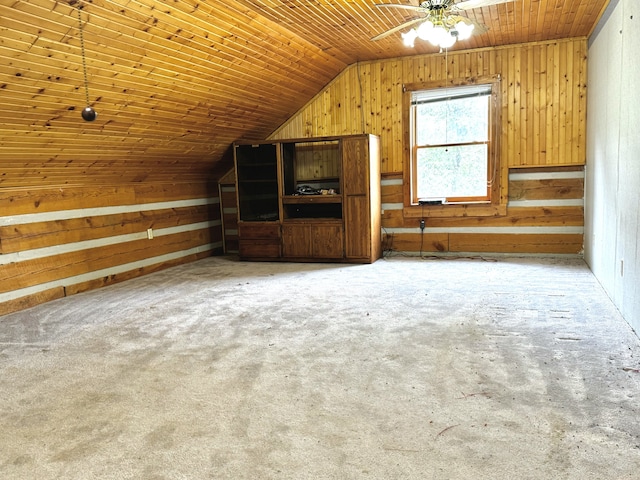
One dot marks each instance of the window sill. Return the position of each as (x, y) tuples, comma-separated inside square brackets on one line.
[(455, 210)]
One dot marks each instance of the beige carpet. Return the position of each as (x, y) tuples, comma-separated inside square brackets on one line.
[(405, 369)]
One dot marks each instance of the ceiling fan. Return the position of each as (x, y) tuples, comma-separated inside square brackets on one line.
[(440, 21)]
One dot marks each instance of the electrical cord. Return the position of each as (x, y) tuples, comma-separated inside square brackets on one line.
[(459, 257), (387, 245), (422, 225)]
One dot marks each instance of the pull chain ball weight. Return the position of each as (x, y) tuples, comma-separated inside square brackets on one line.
[(88, 113)]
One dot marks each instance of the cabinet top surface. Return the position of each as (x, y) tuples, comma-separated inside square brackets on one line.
[(304, 139)]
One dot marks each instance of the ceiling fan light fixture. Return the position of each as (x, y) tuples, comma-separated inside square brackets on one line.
[(442, 24), (439, 34)]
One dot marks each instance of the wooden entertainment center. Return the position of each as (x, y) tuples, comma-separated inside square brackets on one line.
[(310, 199)]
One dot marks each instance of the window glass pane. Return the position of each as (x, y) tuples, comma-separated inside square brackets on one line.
[(459, 171), (460, 120)]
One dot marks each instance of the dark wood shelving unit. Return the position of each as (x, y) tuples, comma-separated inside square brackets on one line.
[(341, 223)]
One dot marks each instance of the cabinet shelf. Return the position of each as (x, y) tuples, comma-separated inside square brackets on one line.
[(320, 220), (259, 180), (253, 163), (304, 199)]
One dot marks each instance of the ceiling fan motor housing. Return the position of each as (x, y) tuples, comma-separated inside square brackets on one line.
[(436, 4)]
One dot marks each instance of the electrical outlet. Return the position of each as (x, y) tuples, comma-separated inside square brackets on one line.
[(149, 233), (422, 224)]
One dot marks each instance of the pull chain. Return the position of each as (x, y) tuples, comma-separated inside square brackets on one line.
[(446, 94), (88, 113)]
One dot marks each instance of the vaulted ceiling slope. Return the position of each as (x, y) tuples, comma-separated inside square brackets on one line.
[(175, 82)]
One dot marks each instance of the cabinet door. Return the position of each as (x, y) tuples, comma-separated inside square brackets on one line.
[(358, 225), (355, 166), (327, 241), (296, 240), (309, 240)]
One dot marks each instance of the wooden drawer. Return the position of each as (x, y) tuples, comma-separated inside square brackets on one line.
[(259, 230), (258, 248)]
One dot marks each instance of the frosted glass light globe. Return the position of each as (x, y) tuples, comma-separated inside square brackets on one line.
[(425, 30)]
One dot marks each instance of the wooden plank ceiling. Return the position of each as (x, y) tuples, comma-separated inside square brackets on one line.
[(175, 82)]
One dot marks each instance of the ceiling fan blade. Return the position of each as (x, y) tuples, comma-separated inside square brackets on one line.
[(397, 5), (469, 4), (398, 28), (478, 28)]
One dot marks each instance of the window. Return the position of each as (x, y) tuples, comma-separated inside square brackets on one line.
[(452, 132)]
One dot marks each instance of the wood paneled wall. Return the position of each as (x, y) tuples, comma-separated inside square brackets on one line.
[(543, 127), (543, 101), (545, 215), (56, 241)]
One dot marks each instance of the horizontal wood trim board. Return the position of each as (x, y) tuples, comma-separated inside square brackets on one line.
[(517, 217), (538, 230), (31, 300), (29, 236), (562, 243), (570, 202), (39, 271), (432, 242), (96, 180), (483, 243), (542, 189), (28, 201), (21, 298), (59, 249), (392, 195), (98, 211)]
